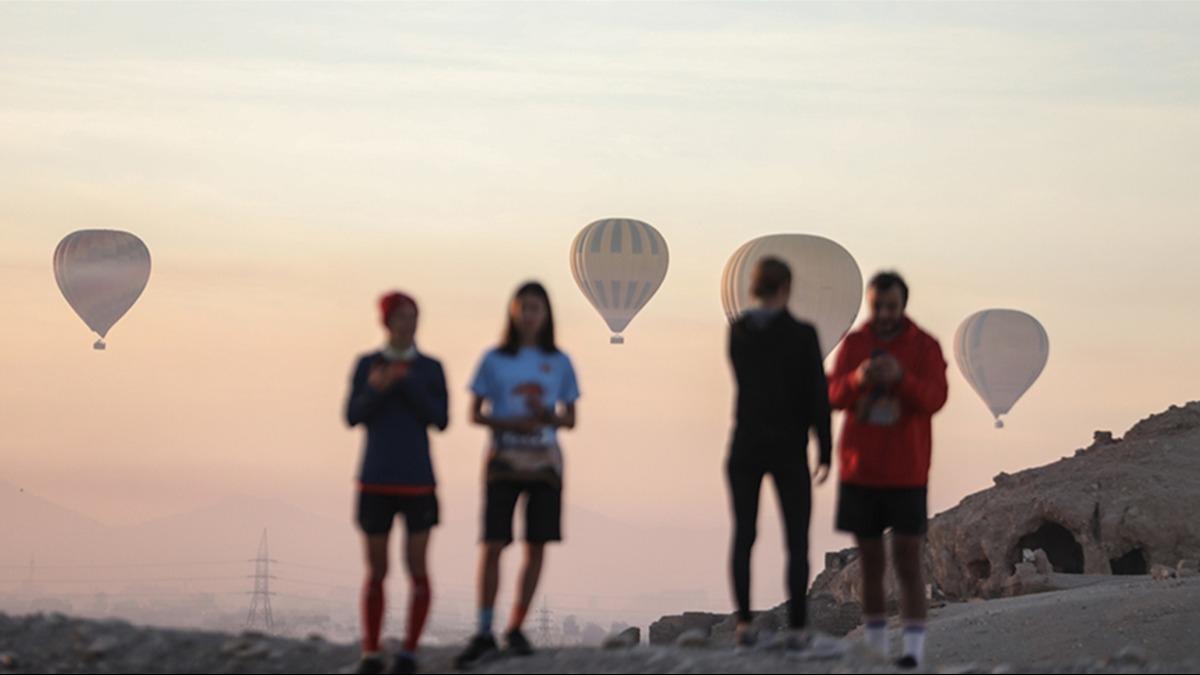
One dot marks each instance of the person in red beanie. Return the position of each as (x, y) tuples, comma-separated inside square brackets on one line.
[(397, 393)]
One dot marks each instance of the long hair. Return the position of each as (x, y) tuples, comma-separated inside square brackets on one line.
[(510, 340)]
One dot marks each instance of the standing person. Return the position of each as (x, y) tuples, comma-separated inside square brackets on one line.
[(781, 394), (524, 391), (397, 393), (890, 378)]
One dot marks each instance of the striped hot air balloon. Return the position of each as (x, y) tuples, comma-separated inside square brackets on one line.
[(619, 263), (101, 273)]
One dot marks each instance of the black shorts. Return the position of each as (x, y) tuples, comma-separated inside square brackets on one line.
[(543, 511), (377, 511), (868, 511)]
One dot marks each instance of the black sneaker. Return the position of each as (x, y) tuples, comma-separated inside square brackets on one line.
[(481, 648), (517, 643), (907, 663), (789, 640), (403, 663), (371, 665), (745, 638)]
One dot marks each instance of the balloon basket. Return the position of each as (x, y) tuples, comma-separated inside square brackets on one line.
[(999, 424), (99, 345), (616, 340)]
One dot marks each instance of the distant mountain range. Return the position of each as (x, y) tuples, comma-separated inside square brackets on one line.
[(602, 562)]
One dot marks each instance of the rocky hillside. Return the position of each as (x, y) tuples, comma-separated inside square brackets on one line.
[(1117, 507)]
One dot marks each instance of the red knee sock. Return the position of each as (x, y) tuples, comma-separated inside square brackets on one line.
[(372, 614), (518, 617), (418, 610)]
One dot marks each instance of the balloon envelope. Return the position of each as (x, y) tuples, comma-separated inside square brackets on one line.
[(1001, 353), (619, 264), (101, 273), (827, 285)]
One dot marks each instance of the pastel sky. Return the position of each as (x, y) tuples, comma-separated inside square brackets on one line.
[(287, 163)]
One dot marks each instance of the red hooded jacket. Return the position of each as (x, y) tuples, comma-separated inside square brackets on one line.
[(897, 455)]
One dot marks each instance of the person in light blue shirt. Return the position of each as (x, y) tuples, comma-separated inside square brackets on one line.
[(523, 391)]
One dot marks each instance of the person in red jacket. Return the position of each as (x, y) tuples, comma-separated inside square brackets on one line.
[(890, 379)]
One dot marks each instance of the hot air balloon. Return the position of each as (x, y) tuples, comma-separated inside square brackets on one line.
[(827, 286), (101, 273), (1001, 353), (619, 264)]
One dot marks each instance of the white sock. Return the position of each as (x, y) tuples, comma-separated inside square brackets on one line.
[(876, 635), (914, 641)]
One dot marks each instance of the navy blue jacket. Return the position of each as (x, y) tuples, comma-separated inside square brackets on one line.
[(396, 451)]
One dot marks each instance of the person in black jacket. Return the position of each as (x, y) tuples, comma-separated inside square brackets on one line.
[(781, 395)]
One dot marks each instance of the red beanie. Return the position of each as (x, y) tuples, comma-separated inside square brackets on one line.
[(392, 301)]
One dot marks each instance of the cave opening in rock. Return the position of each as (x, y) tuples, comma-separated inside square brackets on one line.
[(1064, 552), (1133, 562), (980, 569)]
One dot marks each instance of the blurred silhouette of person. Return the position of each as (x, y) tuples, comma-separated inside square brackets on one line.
[(890, 378), (782, 394), (397, 393), (523, 391)]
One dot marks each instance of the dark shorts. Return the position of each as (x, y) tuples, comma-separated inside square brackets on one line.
[(377, 511), (868, 511), (543, 511)]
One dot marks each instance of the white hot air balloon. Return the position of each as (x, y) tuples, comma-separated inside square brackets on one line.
[(1001, 353), (827, 285), (101, 273), (619, 264)]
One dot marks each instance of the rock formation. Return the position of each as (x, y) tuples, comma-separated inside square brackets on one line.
[(1119, 506)]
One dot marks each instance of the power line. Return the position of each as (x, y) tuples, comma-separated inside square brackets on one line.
[(195, 563), (260, 604), (129, 594), (288, 563), (297, 596), (310, 583), (42, 580)]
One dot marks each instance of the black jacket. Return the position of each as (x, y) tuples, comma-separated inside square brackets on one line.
[(781, 387)]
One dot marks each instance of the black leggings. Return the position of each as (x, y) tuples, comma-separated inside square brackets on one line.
[(792, 483)]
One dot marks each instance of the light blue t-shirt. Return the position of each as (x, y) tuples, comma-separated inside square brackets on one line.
[(515, 384)]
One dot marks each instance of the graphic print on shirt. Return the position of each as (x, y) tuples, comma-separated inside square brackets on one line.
[(519, 456), (526, 386)]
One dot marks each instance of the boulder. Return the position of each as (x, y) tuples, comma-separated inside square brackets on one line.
[(1163, 573), (692, 638), (1187, 568), (626, 639), (668, 629), (842, 579)]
